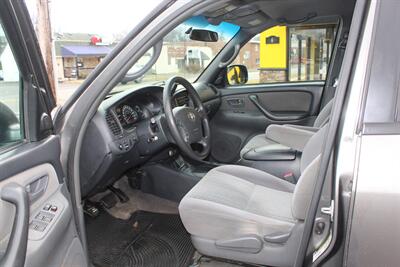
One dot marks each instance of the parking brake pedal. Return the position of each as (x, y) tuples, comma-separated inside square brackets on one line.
[(119, 193)]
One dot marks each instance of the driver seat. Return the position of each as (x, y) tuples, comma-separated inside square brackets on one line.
[(248, 215)]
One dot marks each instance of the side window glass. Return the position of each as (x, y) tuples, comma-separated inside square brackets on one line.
[(11, 127), (287, 54)]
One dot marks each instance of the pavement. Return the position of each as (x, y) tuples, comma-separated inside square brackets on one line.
[(65, 89), (9, 93)]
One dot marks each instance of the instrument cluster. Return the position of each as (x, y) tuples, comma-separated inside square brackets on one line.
[(128, 114)]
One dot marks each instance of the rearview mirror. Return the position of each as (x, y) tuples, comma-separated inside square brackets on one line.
[(237, 75), (203, 35)]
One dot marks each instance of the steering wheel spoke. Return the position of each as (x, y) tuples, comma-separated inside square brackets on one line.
[(202, 112)]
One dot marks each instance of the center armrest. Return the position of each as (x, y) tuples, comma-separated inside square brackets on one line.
[(290, 136), (302, 127), (270, 153)]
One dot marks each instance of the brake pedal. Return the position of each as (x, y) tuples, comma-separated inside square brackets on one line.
[(119, 193), (108, 201), (91, 209)]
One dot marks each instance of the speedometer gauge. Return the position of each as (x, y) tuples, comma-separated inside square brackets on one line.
[(129, 114)]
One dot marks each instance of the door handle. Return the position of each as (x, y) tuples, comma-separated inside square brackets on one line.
[(37, 188), (16, 248), (272, 116), (235, 102)]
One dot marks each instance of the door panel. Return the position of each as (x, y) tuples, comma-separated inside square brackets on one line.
[(276, 102), (239, 118), (52, 237)]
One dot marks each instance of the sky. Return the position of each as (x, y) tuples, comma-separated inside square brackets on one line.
[(106, 18)]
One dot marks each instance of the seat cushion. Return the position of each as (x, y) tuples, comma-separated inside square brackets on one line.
[(255, 142), (235, 201)]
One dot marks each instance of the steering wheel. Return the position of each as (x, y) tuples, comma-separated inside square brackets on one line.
[(189, 126)]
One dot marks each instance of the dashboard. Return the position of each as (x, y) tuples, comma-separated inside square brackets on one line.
[(128, 130)]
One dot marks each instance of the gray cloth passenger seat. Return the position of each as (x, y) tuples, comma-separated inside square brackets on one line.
[(244, 214), (262, 140)]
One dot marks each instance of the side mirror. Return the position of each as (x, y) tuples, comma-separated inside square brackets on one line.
[(237, 74), (203, 35)]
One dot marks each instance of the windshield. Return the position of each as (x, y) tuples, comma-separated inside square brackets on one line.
[(181, 55)]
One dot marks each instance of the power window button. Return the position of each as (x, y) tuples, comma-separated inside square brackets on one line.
[(53, 208), (47, 207), (38, 226)]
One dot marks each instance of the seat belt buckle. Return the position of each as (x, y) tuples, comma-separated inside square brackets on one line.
[(289, 176)]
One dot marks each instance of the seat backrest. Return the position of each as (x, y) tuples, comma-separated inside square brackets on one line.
[(309, 166), (323, 116)]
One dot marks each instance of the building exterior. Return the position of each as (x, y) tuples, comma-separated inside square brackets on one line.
[(77, 54)]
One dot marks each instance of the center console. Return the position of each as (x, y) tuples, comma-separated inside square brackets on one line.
[(174, 177), (276, 159)]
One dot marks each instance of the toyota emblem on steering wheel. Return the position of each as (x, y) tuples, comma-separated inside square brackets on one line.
[(191, 116)]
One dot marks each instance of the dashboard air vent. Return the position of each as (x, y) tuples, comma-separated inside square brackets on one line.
[(112, 124)]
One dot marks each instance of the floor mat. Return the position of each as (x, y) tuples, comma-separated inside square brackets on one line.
[(137, 201), (146, 239), (205, 261)]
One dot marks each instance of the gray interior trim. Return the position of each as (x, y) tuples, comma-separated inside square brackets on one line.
[(234, 55), (17, 244), (156, 53), (30, 155), (335, 64)]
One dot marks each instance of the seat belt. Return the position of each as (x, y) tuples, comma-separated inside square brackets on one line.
[(330, 88)]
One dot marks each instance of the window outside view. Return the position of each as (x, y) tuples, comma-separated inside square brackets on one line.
[(10, 94), (288, 54), (182, 56), (82, 39), (83, 33)]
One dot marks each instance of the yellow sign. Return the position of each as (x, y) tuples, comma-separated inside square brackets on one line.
[(273, 48)]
